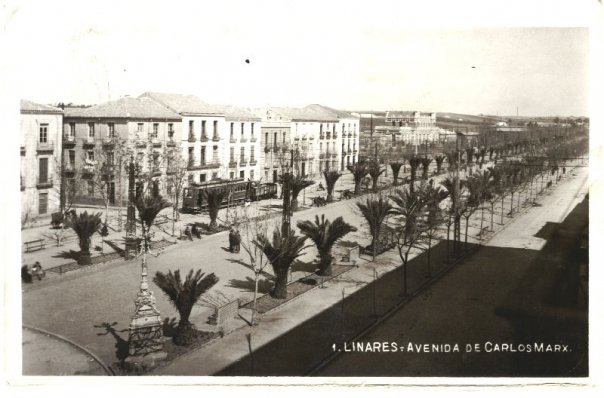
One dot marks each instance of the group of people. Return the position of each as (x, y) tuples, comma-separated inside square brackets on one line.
[(192, 231), (28, 273)]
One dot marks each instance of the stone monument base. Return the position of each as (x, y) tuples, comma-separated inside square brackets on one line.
[(143, 363)]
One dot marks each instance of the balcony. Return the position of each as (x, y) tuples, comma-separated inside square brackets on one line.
[(321, 156), (204, 138), (43, 184), (88, 169), (243, 139), (45, 147), (334, 155), (191, 137), (253, 139), (108, 169), (171, 142), (311, 137), (335, 135), (155, 142), (156, 172), (210, 165), (354, 151), (304, 137), (88, 142), (69, 140), (328, 136), (267, 149), (141, 144), (242, 162), (216, 138), (233, 140), (69, 168), (253, 162), (109, 141), (321, 136), (232, 164)]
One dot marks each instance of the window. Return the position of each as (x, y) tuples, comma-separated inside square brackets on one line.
[(232, 130), (202, 177), (242, 129), (90, 155), (155, 130), (43, 171), (110, 158), (190, 127), (139, 127), (252, 153), (90, 188), (91, 130), (110, 130), (215, 129), (214, 175), (251, 174), (203, 128), (191, 155), (42, 202), (232, 175), (203, 155), (72, 129), (71, 157), (43, 133), (242, 174), (242, 155), (170, 131), (252, 130), (215, 153), (266, 139), (275, 140), (232, 154)]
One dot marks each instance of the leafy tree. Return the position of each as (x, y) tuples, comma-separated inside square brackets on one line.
[(184, 295), (375, 212), (331, 177), (359, 171), (325, 234), (84, 225), (281, 252), (396, 168), (214, 200)]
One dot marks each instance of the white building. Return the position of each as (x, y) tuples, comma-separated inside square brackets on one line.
[(218, 141), (41, 141)]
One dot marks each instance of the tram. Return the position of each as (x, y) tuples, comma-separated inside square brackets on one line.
[(238, 191)]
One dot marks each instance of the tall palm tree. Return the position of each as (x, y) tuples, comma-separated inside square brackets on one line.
[(439, 159), (456, 206), (331, 177), (281, 252), (472, 202), (396, 168), (184, 296), (375, 171), (425, 164), (84, 225), (214, 200), (483, 181), (296, 184), (414, 163), (433, 196), (325, 234), (375, 212), (358, 170)]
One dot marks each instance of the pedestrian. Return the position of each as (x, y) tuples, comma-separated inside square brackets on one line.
[(188, 232)]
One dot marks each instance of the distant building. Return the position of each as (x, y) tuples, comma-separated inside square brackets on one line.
[(98, 137), (40, 159)]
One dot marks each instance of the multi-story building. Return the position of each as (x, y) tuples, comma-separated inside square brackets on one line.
[(40, 159), (315, 138), (101, 139), (410, 128), (219, 141)]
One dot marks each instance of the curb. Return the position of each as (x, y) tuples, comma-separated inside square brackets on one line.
[(107, 369)]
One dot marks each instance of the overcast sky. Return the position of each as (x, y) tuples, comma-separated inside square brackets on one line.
[(350, 55)]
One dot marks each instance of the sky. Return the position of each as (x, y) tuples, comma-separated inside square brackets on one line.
[(375, 55)]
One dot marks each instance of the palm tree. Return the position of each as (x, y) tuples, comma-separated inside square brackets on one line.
[(425, 164), (296, 184), (414, 163), (84, 225), (214, 200), (483, 181), (396, 168), (281, 252), (358, 170), (433, 196), (408, 208), (455, 209), (331, 177), (375, 212), (375, 171), (184, 296), (439, 162), (471, 202), (325, 234)]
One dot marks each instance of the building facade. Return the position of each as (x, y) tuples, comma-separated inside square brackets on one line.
[(41, 141), (100, 141)]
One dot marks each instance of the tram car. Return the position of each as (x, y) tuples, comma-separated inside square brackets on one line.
[(237, 192)]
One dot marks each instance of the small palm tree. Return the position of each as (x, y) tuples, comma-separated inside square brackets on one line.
[(414, 163), (325, 234), (331, 177), (375, 212), (396, 169), (84, 225), (375, 171), (359, 171), (214, 200), (425, 165), (148, 207), (295, 184), (281, 252), (439, 159), (184, 296)]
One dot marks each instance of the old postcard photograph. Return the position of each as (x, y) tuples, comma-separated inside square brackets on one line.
[(302, 193)]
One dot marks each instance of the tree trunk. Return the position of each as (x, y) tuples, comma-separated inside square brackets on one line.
[(329, 195), (325, 266), (84, 258), (512, 204), (185, 333), (294, 204), (357, 187), (405, 274), (492, 213), (429, 247), (395, 173), (465, 244), (280, 289)]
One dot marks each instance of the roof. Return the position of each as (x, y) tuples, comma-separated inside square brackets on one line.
[(235, 113), (303, 114), (33, 107), (331, 111), (184, 104), (127, 107)]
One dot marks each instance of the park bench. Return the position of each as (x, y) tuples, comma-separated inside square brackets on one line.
[(34, 245)]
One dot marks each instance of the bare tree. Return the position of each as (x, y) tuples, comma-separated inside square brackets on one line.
[(177, 172)]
